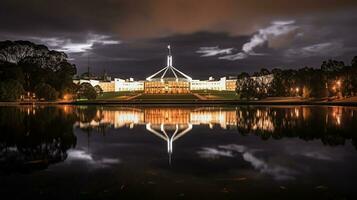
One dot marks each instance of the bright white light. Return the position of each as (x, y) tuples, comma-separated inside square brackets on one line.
[(76, 48)]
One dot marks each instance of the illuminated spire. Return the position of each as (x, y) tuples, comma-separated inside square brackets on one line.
[(169, 57), (161, 73)]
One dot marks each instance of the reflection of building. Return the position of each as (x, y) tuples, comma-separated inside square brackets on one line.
[(171, 123), (223, 118), (211, 84)]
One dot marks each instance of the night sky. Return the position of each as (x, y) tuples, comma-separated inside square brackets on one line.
[(128, 38)]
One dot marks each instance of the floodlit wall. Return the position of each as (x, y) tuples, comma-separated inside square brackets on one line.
[(128, 85), (107, 86), (167, 87), (210, 84)]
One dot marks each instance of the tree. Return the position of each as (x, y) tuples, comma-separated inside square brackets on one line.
[(45, 91), (98, 89), (277, 85), (11, 90), (87, 91), (354, 62), (247, 88), (332, 65), (264, 71), (318, 87), (32, 64), (11, 71), (62, 80)]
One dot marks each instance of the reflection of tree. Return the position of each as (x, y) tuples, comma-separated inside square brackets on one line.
[(33, 138), (90, 117), (332, 125)]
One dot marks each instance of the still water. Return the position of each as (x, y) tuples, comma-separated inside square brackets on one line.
[(247, 152)]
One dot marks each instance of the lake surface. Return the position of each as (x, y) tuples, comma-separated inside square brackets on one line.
[(178, 152)]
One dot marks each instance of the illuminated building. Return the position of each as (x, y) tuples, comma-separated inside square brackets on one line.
[(231, 84), (168, 80), (223, 84), (128, 85), (106, 86)]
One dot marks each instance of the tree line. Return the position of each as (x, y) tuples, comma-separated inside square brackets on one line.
[(332, 79), (33, 71)]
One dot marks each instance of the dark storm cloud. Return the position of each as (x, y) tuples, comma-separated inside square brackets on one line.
[(128, 37), (153, 18)]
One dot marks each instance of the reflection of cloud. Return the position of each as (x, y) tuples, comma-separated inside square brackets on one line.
[(80, 155), (316, 153), (213, 153), (277, 171), (213, 51)]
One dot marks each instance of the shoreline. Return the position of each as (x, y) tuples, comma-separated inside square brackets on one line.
[(188, 102)]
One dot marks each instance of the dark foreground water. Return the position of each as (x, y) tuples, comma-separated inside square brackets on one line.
[(111, 152)]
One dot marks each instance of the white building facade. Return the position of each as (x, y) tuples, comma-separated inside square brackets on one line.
[(163, 82), (128, 85), (209, 84)]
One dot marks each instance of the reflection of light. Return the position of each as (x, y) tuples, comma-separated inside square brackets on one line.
[(223, 118), (297, 112), (67, 109), (260, 120), (30, 111), (131, 117), (337, 114)]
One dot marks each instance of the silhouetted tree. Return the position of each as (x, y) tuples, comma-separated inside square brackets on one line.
[(87, 91), (46, 92), (32, 64), (11, 90)]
